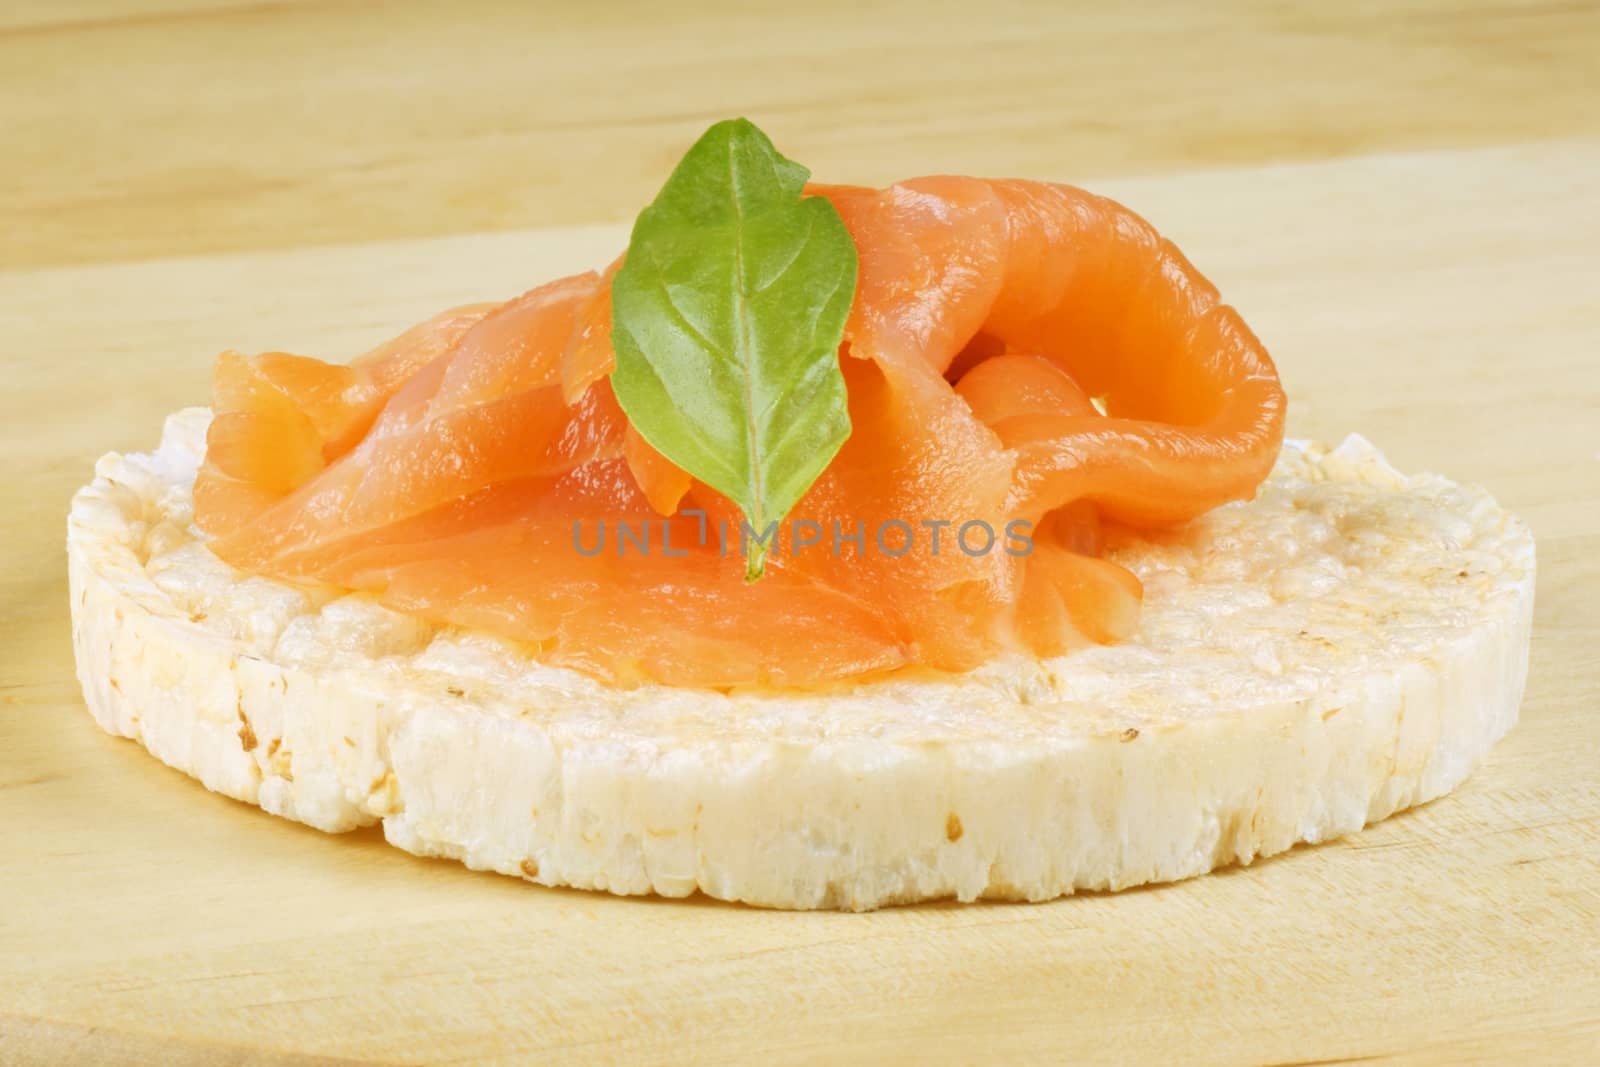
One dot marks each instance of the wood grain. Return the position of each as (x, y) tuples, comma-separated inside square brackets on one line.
[(1440, 300), (150, 128)]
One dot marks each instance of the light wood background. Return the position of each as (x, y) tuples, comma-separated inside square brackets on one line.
[(1402, 199)]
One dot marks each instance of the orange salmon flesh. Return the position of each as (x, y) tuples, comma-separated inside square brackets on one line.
[(1020, 356)]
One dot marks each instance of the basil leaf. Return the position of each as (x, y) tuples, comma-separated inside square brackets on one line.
[(726, 320)]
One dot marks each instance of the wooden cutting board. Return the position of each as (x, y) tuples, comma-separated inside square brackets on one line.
[(1444, 304), (1399, 196)]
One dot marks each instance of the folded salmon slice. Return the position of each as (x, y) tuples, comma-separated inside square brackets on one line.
[(1017, 353)]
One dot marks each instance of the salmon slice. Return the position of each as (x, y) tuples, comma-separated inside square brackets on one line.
[(587, 359), (282, 418), (488, 412), (1012, 385), (663, 482), (1194, 406), (478, 470)]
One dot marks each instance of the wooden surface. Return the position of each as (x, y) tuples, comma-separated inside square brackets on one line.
[(1400, 198)]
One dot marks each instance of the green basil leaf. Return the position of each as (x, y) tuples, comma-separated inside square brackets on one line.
[(726, 320)]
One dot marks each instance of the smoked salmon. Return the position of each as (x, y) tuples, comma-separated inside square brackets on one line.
[(1024, 362)]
